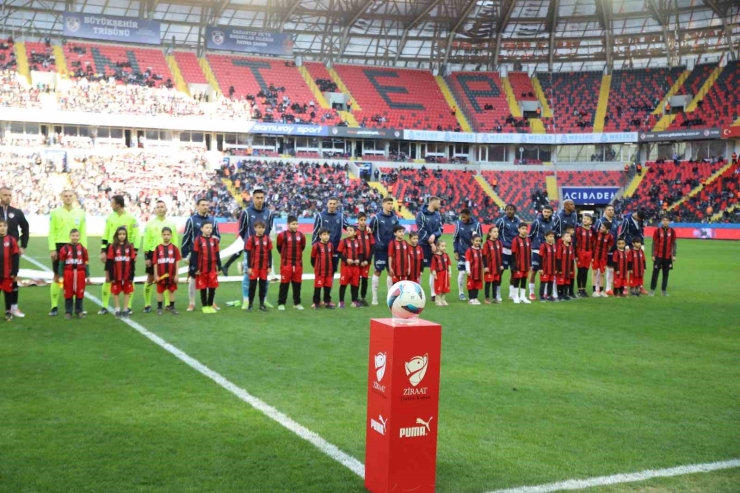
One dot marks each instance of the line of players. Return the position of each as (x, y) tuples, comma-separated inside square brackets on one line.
[(374, 241)]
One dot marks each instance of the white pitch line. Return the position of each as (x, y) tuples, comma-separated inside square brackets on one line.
[(357, 467), (582, 484), (328, 449)]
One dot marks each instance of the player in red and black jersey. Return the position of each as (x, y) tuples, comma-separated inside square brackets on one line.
[(367, 247), (565, 256), (475, 267), (10, 256), (205, 264), (290, 246), (548, 271), (165, 261), (493, 250), (416, 258), (75, 271), (637, 266), (521, 251), (603, 242), (664, 254), (621, 262), (585, 237), (398, 255), (322, 261), (119, 267), (258, 248), (350, 252)]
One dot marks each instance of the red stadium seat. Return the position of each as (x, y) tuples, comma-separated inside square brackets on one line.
[(105, 60), (573, 98), (521, 86), (720, 106), (475, 90), (404, 98), (41, 48), (517, 187), (190, 68)]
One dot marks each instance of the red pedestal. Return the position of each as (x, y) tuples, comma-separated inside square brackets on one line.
[(402, 406)]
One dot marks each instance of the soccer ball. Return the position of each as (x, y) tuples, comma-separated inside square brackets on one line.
[(406, 300)]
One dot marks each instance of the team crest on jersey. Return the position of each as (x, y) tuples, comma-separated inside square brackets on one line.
[(169, 251), (7, 243), (11, 215)]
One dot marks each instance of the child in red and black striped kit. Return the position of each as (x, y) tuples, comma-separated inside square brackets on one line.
[(349, 252), (290, 245), (637, 267), (323, 264), (585, 240), (493, 250), (367, 247), (475, 266), (74, 269), (398, 255), (548, 267), (205, 264), (441, 272), (566, 256), (119, 270), (416, 258), (10, 256), (521, 251), (621, 268), (258, 250), (166, 260)]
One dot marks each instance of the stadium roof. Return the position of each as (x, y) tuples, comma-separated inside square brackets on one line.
[(463, 34)]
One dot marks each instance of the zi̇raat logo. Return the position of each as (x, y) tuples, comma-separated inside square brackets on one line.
[(417, 368), (379, 425), (379, 361), (416, 431), (415, 371)]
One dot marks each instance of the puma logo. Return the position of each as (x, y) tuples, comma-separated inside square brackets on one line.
[(420, 421)]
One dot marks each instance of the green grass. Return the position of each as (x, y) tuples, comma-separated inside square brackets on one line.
[(529, 394)]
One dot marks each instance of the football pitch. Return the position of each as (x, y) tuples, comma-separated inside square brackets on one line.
[(530, 394)]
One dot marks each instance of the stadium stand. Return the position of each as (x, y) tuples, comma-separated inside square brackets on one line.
[(720, 106), (321, 76), (522, 86), (112, 98), (302, 188), (696, 78), (483, 100), (30, 178), (635, 94), (272, 88), (717, 195), (592, 178), (128, 64), (7, 55), (14, 95), (190, 68), (525, 189), (573, 97), (667, 182), (457, 189), (397, 98), (41, 57)]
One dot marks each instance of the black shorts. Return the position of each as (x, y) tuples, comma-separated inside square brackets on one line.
[(536, 261), (661, 263), (149, 270), (508, 261), (427, 249), (55, 263), (610, 260)]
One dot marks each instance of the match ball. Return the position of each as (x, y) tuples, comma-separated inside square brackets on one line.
[(406, 300)]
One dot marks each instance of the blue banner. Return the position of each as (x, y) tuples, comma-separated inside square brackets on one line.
[(288, 129), (111, 28), (236, 39), (589, 195)]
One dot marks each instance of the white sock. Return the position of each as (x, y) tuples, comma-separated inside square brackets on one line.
[(512, 292), (609, 279), (555, 289), (461, 282), (191, 291), (376, 285), (13, 308), (597, 280), (389, 282), (431, 285), (531, 288), (522, 293)]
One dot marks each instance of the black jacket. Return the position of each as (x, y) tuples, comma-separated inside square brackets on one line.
[(17, 224)]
